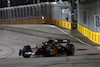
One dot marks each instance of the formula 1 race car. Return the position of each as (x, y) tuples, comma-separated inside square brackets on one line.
[(49, 48)]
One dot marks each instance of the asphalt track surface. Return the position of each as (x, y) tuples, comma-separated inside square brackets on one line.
[(14, 37)]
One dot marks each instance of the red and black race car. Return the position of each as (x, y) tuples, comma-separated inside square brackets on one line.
[(49, 48)]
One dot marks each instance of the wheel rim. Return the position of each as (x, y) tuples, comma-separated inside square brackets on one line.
[(73, 50), (53, 51)]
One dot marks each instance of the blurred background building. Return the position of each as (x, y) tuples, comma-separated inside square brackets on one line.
[(5, 3), (10, 3)]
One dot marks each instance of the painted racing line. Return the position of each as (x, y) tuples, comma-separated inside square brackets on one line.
[(75, 38)]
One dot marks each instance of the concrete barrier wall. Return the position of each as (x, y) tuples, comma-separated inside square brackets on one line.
[(39, 21), (93, 36), (60, 23), (89, 20), (88, 15), (58, 13)]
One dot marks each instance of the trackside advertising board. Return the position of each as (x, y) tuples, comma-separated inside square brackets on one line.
[(93, 36)]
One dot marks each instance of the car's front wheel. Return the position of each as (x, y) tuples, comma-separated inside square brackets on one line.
[(52, 50), (27, 51), (20, 52)]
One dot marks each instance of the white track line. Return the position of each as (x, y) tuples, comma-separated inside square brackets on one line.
[(75, 37)]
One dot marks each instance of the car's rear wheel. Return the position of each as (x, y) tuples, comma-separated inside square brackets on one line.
[(70, 49)]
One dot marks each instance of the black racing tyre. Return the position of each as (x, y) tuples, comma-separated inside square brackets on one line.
[(52, 50), (20, 52), (70, 49), (48, 49), (26, 49)]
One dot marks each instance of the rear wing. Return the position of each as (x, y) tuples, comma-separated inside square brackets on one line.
[(62, 41)]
